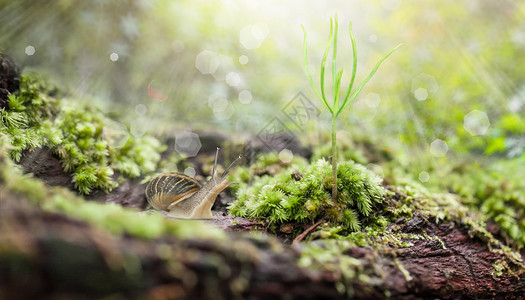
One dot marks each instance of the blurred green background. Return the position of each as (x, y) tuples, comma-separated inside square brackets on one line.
[(233, 65), (448, 107)]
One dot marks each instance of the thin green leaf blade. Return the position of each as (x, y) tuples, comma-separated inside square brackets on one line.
[(334, 55), (310, 80), (323, 62), (337, 87), (374, 70), (354, 66)]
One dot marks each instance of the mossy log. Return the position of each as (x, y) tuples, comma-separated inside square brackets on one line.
[(9, 78), (48, 255)]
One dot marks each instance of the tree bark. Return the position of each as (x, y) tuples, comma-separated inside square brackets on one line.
[(47, 255)]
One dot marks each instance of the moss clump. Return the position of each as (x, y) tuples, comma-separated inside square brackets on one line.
[(283, 198), (490, 187), (90, 146), (266, 164), (497, 191), (28, 121), (109, 216), (330, 255), (448, 207), (331, 251)]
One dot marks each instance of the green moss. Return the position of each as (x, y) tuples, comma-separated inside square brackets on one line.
[(108, 216), (330, 251), (492, 188), (90, 145), (283, 198), (347, 271), (449, 207)]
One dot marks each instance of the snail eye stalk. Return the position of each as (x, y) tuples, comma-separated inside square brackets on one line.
[(231, 165), (215, 163)]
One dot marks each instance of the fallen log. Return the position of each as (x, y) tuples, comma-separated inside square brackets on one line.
[(48, 255)]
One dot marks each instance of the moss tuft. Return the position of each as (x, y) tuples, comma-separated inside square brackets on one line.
[(89, 145), (283, 199), (108, 216)]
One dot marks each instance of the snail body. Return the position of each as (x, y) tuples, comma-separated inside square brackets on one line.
[(184, 197)]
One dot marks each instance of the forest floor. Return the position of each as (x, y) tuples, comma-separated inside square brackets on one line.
[(59, 243)]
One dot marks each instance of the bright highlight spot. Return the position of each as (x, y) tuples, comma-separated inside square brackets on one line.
[(155, 92), (30, 50), (233, 79), (189, 171), (113, 56), (424, 86), (285, 156), (243, 59), (116, 134), (372, 38), (222, 107), (372, 100), (207, 62), (515, 105), (438, 148), (476, 122), (251, 37), (367, 108), (138, 127), (245, 97), (187, 143), (421, 94), (424, 176), (141, 109)]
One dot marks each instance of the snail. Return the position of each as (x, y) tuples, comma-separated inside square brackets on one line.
[(184, 197)]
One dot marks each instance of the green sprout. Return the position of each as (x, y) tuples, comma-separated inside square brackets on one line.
[(336, 109)]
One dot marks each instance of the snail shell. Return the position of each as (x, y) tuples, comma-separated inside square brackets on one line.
[(184, 197), (166, 190)]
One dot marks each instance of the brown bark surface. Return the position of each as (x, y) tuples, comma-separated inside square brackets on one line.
[(47, 255)]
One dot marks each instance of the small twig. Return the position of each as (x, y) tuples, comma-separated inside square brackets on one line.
[(306, 232)]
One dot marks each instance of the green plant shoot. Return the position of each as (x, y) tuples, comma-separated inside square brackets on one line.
[(336, 108)]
